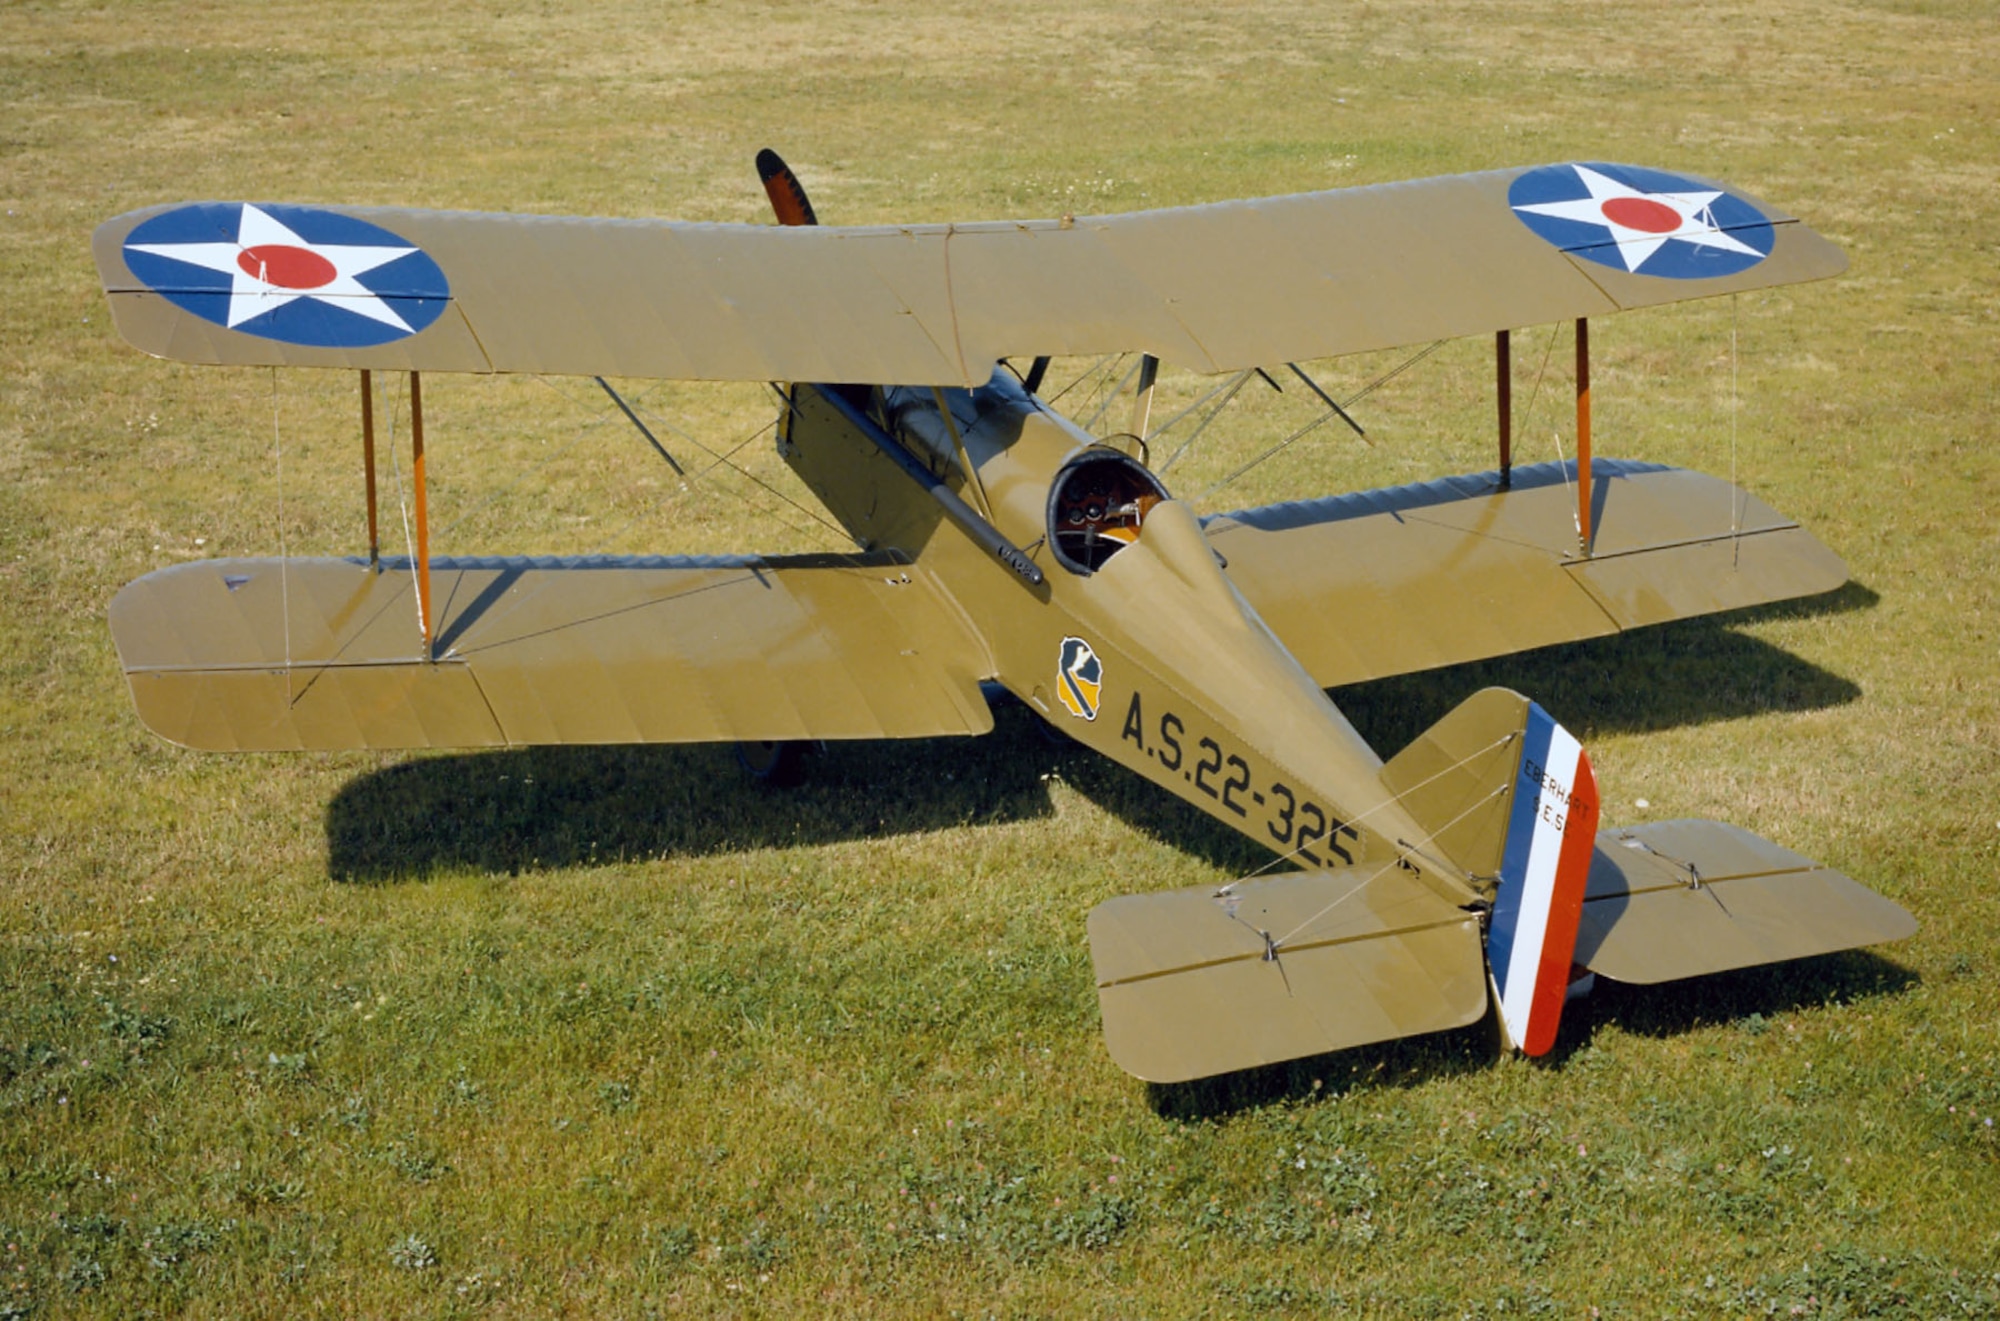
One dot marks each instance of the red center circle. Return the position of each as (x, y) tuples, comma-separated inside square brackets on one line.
[(286, 266), (1642, 214)]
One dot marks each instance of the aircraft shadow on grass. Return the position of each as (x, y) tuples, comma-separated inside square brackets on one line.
[(531, 809), (534, 808)]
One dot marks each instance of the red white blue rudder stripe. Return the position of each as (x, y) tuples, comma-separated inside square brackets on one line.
[(1544, 868)]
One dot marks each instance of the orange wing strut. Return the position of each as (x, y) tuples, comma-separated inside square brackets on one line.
[(368, 460), (1583, 433), (423, 564)]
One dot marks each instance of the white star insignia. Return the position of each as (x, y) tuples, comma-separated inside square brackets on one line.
[(269, 266), (1641, 223)]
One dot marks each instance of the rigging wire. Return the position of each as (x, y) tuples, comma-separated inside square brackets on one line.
[(1735, 503), (1081, 377), (721, 460), (1500, 789), (1528, 414), (724, 459), (1111, 396), (1396, 861), (1502, 741), (1273, 947), (284, 549), (403, 505), (1228, 392), (1300, 434), (1099, 374), (1327, 416)]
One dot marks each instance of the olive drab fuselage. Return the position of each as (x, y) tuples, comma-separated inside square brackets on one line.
[(1135, 643)]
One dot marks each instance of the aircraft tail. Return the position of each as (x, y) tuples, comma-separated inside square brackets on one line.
[(1508, 796)]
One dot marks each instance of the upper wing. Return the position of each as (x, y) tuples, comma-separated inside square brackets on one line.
[(268, 654), (1388, 582), (1209, 288)]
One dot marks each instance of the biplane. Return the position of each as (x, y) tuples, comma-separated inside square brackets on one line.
[(1000, 548)]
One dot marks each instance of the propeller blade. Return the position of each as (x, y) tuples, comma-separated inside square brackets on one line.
[(788, 197)]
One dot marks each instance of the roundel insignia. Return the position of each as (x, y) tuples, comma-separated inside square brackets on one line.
[(296, 274), (1079, 678), (1645, 221)]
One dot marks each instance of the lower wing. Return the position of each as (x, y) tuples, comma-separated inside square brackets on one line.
[(238, 655), (1386, 582)]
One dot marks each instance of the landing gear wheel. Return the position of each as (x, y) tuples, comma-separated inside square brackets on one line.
[(780, 765)]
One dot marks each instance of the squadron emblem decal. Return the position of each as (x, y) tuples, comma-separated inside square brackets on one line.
[(296, 274), (1648, 222), (1079, 678)]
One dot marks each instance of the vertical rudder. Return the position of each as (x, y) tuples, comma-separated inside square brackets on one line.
[(1545, 866)]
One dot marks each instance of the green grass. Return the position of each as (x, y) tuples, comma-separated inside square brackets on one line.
[(610, 1032)]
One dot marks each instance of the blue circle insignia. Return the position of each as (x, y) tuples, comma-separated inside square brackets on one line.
[(1644, 221), (295, 274)]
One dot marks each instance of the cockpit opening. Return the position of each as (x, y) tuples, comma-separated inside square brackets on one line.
[(1096, 506)]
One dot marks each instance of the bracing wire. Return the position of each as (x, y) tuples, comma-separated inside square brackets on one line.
[(284, 549), (1562, 460), (1327, 416), (403, 506), (1569, 488), (1375, 875), (1227, 390), (1086, 374), (1548, 349), (1736, 498), (722, 460), (717, 459), (1111, 396), (1502, 741), (1282, 445), (1273, 947)]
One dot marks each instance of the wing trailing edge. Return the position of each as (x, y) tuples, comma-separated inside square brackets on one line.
[(242, 655)]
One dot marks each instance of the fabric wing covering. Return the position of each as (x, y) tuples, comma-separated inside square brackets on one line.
[(1189, 987), (1385, 582), (239, 655), (1211, 288)]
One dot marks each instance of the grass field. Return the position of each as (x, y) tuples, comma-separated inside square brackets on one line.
[(609, 1032)]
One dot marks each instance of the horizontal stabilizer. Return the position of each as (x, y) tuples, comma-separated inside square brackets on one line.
[(268, 655), (1683, 898), (1364, 954)]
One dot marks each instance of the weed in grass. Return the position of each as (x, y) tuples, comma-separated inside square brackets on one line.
[(410, 1253), (82, 1275), (413, 1159), (168, 1245)]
